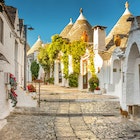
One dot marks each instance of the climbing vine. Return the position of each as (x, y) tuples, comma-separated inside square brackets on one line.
[(64, 58), (77, 49), (61, 48), (91, 60), (93, 81), (55, 47)]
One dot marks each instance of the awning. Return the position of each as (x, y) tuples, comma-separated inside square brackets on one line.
[(2, 57)]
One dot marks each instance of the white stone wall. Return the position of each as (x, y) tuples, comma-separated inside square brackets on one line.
[(7, 48), (4, 105), (80, 78), (131, 91), (56, 73), (104, 75)]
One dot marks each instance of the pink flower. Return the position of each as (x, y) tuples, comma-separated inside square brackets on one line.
[(11, 75), (14, 94)]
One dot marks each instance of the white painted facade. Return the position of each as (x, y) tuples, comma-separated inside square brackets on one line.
[(131, 67), (12, 47), (120, 75)]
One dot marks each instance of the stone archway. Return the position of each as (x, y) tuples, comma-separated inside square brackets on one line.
[(132, 76)]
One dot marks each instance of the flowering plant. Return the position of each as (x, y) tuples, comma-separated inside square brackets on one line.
[(12, 94), (31, 88), (97, 88), (93, 83)]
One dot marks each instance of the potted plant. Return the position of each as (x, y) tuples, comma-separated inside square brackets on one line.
[(93, 83), (31, 88), (97, 90)]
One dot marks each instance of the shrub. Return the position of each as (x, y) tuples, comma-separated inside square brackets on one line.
[(93, 83), (73, 80), (50, 80), (34, 70)]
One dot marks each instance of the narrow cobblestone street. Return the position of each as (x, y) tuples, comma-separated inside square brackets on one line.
[(66, 114)]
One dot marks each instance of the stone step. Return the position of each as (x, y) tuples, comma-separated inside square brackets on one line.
[(3, 122)]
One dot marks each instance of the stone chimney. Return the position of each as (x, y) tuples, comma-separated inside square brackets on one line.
[(99, 36)]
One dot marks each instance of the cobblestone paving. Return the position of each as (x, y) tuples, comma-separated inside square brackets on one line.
[(70, 116)]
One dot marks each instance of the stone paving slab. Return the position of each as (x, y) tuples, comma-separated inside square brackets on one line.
[(3, 122), (70, 115)]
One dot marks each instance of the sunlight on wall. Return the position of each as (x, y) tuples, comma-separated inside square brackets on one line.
[(98, 62)]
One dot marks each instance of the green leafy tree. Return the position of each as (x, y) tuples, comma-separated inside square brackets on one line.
[(34, 70), (44, 61)]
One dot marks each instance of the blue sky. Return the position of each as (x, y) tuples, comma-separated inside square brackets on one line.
[(49, 17)]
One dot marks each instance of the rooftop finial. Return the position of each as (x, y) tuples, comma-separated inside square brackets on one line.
[(126, 5), (70, 21), (81, 10)]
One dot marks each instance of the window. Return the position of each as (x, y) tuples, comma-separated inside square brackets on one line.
[(114, 70), (1, 30)]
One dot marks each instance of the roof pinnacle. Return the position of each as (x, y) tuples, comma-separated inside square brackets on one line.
[(126, 5), (70, 21), (127, 9), (81, 10), (81, 17)]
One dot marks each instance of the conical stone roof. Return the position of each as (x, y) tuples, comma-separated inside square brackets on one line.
[(67, 29), (79, 27), (121, 28), (35, 47)]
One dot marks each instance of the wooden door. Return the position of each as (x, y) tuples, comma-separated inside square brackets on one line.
[(85, 75)]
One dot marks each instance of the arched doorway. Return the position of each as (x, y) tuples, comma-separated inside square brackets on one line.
[(133, 76)]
